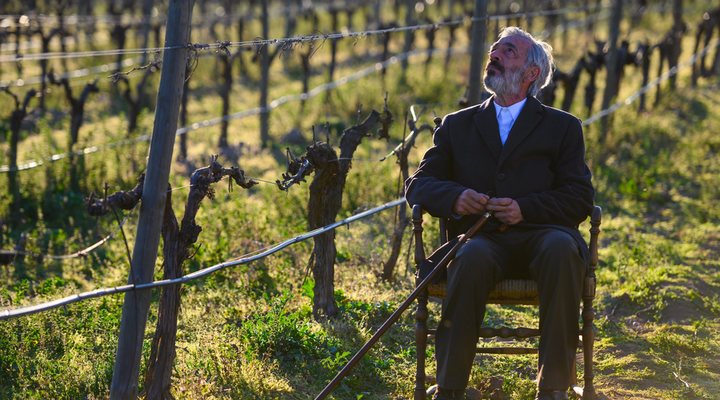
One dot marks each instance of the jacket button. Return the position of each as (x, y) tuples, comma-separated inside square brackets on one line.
[(500, 176)]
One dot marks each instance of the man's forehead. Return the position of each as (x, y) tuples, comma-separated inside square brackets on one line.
[(517, 41)]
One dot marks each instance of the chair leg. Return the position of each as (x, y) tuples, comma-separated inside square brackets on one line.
[(588, 316), (421, 331)]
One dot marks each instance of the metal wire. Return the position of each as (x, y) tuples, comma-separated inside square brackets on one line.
[(655, 82), (17, 312), (134, 20), (80, 253), (286, 42), (78, 73), (413, 56)]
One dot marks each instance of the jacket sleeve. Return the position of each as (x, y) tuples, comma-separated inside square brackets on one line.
[(570, 200), (431, 185)]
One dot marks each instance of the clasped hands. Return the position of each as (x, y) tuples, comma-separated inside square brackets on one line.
[(505, 209)]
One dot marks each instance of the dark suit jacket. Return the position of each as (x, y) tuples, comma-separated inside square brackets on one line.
[(541, 166)]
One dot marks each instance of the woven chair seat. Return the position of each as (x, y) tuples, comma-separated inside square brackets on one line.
[(508, 291)]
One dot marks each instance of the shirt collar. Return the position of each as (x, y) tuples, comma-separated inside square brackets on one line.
[(514, 108)]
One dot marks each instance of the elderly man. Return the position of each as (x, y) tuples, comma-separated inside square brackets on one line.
[(524, 162)]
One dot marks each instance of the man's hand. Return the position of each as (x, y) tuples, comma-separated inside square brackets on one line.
[(470, 202), (506, 210)]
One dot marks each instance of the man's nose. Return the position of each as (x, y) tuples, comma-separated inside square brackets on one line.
[(494, 55)]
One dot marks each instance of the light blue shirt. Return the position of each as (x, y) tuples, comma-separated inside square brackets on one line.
[(507, 116)]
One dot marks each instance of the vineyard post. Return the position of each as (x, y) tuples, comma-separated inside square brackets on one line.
[(60, 7), (479, 28), (118, 32), (611, 66), (147, 6), (451, 42), (699, 68), (715, 67), (84, 7), (18, 40), (333, 46), (677, 32), (182, 156), (565, 24), (225, 59), (430, 36), (136, 305), (644, 50), (497, 20), (409, 37), (264, 79), (305, 64), (528, 15), (592, 16), (290, 26)]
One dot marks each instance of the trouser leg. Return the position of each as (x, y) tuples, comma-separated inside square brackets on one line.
[(559, 270), (471, 276)]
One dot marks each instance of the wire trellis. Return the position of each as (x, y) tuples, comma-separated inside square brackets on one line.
[(17, 312)]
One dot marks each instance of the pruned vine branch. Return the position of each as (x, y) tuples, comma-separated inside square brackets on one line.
[(124, 200)]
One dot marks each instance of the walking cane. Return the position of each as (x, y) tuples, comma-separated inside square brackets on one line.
[(405, 304)]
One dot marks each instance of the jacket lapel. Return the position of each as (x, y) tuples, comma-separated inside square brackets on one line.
[(529, 117), (487, 126)]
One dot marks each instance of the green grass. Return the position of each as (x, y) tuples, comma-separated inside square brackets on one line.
[(247, 331)]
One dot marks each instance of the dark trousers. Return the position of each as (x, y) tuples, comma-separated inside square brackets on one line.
[(549, 256)]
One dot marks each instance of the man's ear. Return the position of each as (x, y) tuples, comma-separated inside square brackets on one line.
[(532, 73)]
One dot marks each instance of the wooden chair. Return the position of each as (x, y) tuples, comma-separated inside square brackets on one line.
[(509, 291)]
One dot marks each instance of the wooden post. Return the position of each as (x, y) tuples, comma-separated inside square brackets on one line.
[(611, 66), (136, 305), (409, 38), (497, 11), (645, 50), (145, 28), (183, 120), (306, 68), (479, 29), (528, 16), (430, 36), (264, 79), (226, 61), (334, 11), (119, 31), (565, 25), (677, 31)]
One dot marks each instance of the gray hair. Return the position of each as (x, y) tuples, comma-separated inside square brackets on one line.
[(539, 54)]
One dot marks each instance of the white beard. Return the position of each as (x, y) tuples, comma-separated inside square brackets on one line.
[(500, 85)]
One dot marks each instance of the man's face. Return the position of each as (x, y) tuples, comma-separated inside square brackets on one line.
[(507, 64)]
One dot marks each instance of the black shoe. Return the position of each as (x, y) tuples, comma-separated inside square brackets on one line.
[(552, 395), (445, 394)]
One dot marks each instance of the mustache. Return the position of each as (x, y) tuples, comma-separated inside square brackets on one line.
[(496, 65)]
